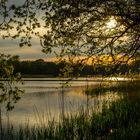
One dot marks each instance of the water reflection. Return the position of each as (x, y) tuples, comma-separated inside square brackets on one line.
[(44, 100)]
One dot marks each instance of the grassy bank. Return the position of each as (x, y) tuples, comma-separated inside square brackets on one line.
[(120, 121)]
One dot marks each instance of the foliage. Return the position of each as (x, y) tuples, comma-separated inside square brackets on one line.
[(75, 30), (65, 69), (9, 92)]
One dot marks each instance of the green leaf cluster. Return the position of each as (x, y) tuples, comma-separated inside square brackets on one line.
[(9, 92)]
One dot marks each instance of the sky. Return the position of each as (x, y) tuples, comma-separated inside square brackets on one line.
[(11, 46)]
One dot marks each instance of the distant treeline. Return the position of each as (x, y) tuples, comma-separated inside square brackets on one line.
[(53, 69)]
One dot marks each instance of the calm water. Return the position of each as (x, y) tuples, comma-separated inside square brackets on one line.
[(46, 100)]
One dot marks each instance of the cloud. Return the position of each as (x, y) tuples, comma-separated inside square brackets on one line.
[(16, 2), (9, 46)]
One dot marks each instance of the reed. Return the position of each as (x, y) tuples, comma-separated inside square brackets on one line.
[(120, 121)]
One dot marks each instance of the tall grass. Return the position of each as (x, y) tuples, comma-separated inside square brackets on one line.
[(121, 121), (131, 87)]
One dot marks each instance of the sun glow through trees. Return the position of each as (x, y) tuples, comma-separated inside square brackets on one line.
[(111, 23)]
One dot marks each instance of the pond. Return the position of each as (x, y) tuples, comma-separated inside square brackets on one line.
[(45, 100)]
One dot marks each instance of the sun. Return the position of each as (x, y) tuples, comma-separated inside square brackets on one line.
[(111, 23)]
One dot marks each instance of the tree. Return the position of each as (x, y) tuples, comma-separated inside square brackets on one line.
[(77, 30), (9, 92), (87, 28), (80, 28)]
